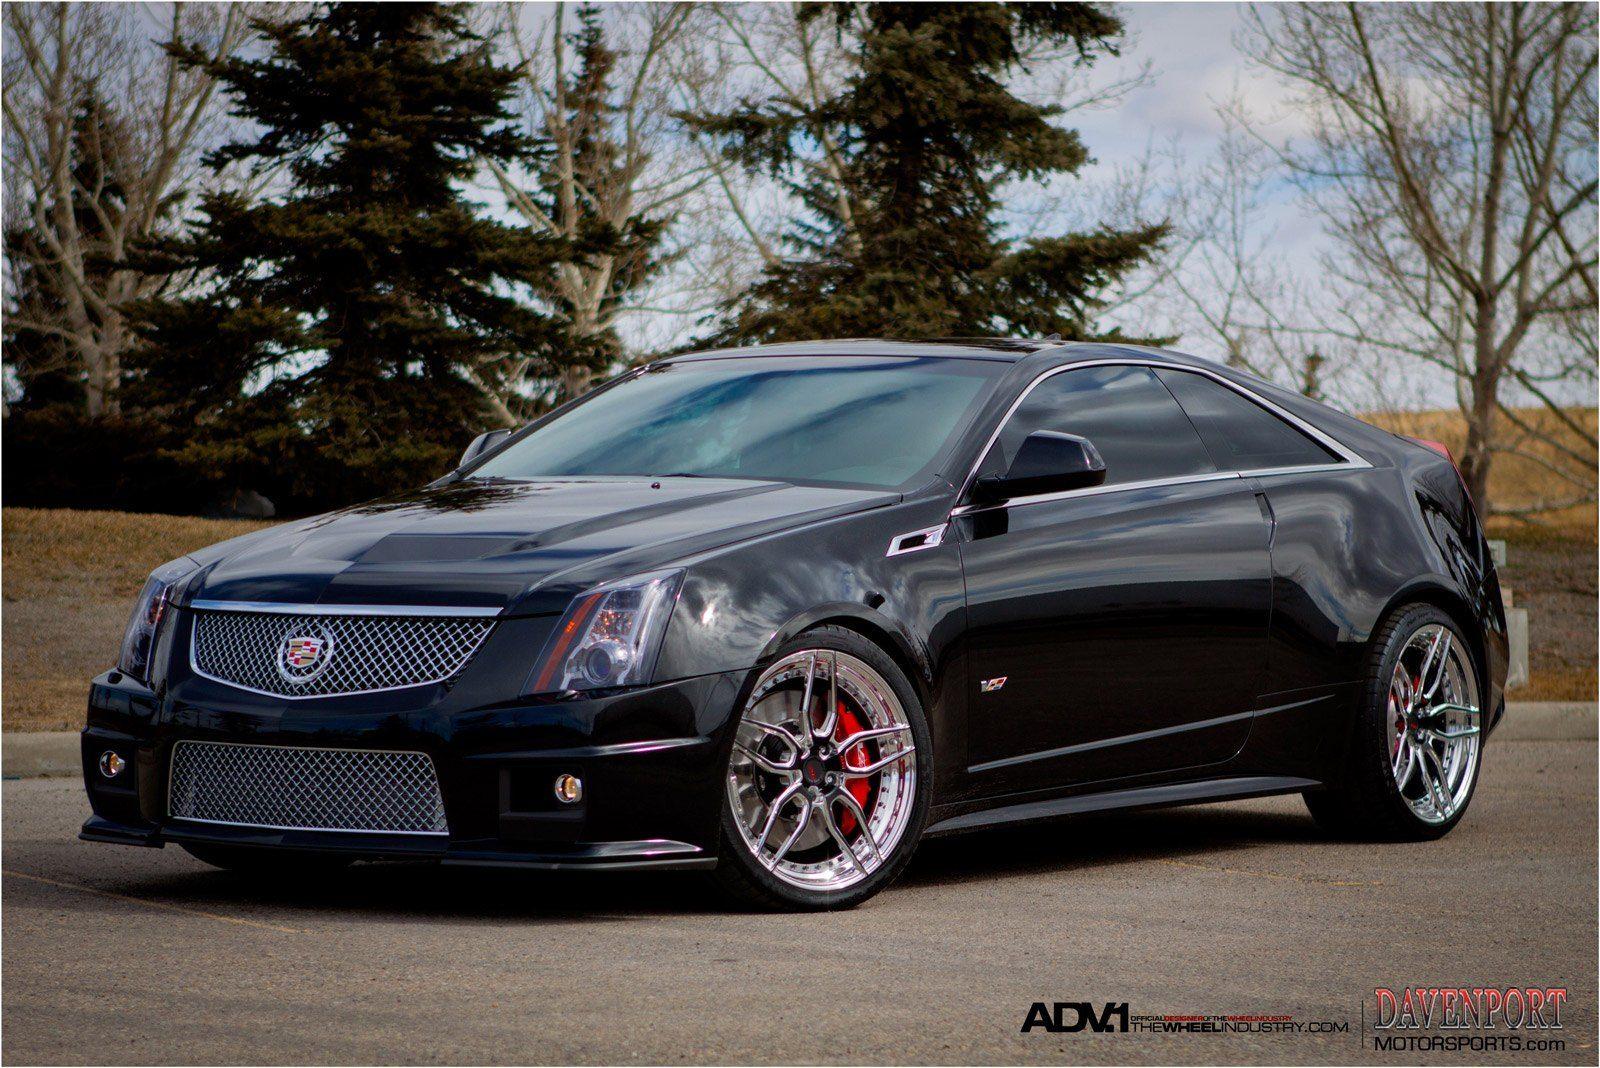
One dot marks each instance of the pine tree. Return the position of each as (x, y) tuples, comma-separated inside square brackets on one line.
[(925, 132), (360, 322)]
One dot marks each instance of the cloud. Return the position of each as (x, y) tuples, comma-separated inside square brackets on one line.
[(1197, 66)]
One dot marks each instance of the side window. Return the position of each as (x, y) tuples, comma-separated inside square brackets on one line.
[(1125, 411), (1242, 435)]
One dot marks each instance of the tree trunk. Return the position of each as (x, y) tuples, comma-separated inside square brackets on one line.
[(575, 382), (108, 363), (1311, 375), (1476, 457)]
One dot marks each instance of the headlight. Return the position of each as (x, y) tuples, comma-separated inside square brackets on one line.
[(609, 637), (148, 610)]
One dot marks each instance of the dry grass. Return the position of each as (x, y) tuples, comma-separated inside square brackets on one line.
[(68, 582), (1552, 571), (1516, 481)]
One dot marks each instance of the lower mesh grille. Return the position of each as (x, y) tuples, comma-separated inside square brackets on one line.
[(286, 788)]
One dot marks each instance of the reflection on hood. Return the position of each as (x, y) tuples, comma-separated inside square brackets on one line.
[(497, 542)]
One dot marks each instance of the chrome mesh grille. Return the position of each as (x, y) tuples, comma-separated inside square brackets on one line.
[(305, 789), (359, 654)]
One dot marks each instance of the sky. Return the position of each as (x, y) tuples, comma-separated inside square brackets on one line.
[(1197, 65), (1192, 47)]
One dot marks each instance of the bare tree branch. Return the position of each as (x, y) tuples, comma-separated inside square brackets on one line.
[(1451, 157), (105, 130)]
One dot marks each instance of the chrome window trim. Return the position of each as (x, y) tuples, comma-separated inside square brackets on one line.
[(1351, 460), (1095, 491), (1267, 472), (934, 537), (285, 608), (172, 764)]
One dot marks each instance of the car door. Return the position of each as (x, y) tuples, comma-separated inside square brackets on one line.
[(1118, 630), (1298, 470)]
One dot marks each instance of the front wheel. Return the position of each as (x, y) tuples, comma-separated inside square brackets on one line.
[(827, 783), (1415, 750)]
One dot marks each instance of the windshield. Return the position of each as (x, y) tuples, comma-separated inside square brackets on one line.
[(875, 422)]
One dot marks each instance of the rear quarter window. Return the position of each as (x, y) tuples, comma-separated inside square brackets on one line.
[(1240, 434)]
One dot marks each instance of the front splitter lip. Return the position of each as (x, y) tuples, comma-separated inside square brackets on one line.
[(658, 853)]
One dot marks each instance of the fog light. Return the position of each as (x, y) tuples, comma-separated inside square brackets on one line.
[(111, 764), (569, 789)]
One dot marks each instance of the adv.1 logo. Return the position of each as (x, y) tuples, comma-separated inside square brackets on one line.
[(1069, 1017)]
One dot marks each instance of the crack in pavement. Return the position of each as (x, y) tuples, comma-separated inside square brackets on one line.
[(153, 904)]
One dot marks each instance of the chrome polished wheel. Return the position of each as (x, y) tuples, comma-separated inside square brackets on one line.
[(1433, 723), (823, 775)]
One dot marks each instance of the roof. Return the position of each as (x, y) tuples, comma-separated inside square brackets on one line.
[(1000, 349), (1005, 349)]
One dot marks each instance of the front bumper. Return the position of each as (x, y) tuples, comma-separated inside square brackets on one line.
[(651, 761)]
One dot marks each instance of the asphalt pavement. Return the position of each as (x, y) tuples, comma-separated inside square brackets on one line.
[(122, 955)]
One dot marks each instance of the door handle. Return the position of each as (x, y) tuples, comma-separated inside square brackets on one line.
[(1269, 515)]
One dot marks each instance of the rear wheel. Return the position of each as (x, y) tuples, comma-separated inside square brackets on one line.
[(266, 862), (1414, 755), (826, 786)]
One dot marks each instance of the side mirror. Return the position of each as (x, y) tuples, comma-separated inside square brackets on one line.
[(1048, 462), (482, 444)]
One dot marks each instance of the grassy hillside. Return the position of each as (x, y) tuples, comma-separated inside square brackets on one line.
[(1516, 481), (68, 583)]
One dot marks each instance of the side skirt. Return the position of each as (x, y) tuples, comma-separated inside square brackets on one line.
[(1184, 793)]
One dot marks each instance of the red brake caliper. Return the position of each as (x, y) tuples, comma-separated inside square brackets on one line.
[(857, 757)]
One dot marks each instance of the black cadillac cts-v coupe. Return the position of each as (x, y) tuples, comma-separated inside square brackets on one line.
[(782, 612)]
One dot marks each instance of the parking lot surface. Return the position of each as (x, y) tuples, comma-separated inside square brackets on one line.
[(118, 955)]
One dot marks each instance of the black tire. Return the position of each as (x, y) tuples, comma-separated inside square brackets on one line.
[(1365, 802), (266, 862), (746, 881)]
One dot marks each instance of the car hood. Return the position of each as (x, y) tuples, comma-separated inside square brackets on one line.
[(524, 547)]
